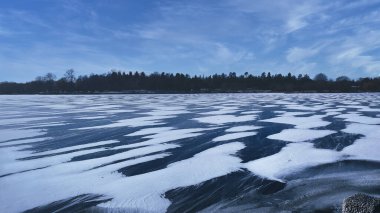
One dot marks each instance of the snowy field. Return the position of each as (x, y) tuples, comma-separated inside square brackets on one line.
[(178, 153)]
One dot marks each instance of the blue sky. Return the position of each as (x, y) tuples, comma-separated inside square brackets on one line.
[(196, 37)]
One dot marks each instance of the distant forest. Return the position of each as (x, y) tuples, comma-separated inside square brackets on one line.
[(139, 82)]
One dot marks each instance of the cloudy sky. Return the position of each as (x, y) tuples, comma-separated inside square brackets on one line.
[(197, 37)]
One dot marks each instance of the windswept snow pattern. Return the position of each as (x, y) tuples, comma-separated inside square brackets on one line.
[(187, 153)]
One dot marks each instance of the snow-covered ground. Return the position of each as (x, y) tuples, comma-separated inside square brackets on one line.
[(193, 152)]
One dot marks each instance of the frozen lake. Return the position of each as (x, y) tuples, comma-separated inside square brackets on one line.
[(196, 152)]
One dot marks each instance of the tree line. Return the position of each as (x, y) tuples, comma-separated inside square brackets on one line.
[(139, 82)]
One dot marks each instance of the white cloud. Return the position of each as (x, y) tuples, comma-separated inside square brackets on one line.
[(355, 52), (297, 54), (297, 18), (356, 58), (291, 15), (225, 55), (358, 4)]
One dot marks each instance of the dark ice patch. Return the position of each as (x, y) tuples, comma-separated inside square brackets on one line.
[(74, 204), (337, 141), (227, 188), (260, 146), (189, 147)]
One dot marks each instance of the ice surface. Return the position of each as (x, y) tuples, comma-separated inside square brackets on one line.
[(224, 119), (84, 165), (222, 110), (369, 109), (356, 118), (206, 165), (141, 196), (149, 131), (127, 154), (115, 111), (300, 122), (133, 122), (233, 136), (167, 136), (300, 135), (166, 112), (58, 183), (335, 110), (242, 128), (292, 158), (292, 114), (306, 108), (77, 147), (91, 117), (362, 108), (366, 148), (332, 113), (14, 121), (49, 124), (370, 131), (102, 107), (23, 165), (12, 134), (24, 141), (250, 112), (168, 141)]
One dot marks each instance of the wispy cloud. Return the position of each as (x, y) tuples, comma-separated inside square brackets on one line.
[(356, 52), (296, 54), (298, 16)]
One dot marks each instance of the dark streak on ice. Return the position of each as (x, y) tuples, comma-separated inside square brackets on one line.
[(75, 204)]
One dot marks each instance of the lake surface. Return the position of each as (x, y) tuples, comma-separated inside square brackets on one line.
[(187, 153)]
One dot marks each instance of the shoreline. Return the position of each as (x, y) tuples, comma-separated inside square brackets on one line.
[(197, 92)]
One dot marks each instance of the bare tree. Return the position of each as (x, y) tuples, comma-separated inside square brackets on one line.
[(39, 78), (49, 77), (70, 76)]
